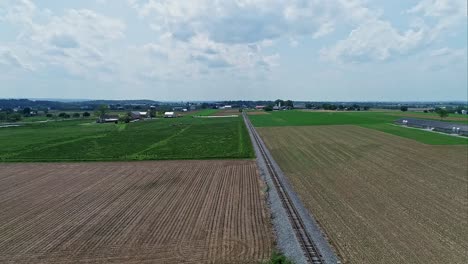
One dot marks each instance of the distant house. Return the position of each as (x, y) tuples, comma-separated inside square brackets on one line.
[(170, 115), (138, 115), (299, 105), (464, 112), (108, 119), (177, 108), (228, 107)]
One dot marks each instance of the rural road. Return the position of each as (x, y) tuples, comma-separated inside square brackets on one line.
[(298, 234)]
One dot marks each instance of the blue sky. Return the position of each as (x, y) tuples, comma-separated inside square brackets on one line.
[(344, 50)]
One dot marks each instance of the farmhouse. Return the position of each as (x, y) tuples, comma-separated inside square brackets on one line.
[(446, 127), (138, 115), (170, 115), (299, 105), (108, 119)]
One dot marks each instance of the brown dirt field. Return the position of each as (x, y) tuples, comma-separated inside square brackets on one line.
[(133, 212), (378, 197)]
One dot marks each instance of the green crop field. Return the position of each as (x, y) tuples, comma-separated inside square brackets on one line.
[(381, 121), (159, 139), (207, 112)]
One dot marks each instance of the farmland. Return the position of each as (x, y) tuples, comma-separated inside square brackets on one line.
[(218, 112), (380, 198), (84, 140), (381, 121), (206, 112), (127, 212)]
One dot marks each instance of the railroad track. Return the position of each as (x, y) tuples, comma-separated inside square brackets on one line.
[(307, 244)]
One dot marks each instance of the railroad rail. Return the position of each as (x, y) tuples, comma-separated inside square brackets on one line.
[(308, 246)]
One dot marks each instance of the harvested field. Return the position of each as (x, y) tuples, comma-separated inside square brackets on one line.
[(129, 212), (379, 198)]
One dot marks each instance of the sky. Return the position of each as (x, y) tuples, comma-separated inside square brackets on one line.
[(310, 50)]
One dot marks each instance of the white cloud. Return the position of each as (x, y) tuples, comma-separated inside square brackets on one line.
[(20, 11), (77, 41), (440, 8), (241, 21), (447, 14), (373, 40), (231, 27), (12, 61), (168, 57), (232, 23), (444, 59), (200, 38), (377, 39)]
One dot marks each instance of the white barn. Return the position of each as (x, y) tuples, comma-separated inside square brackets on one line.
[(169, 115)]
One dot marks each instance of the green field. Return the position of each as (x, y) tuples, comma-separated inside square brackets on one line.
[(159, 139), (381, 121), (207, 112)]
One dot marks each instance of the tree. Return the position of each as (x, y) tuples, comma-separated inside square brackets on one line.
[(404, 108), (329, 107), (3, 116), (125, 118), (152, 113), (366, 108), (289, 103), (64, 115), (103, 109), (279, 102), (309, 105), (86, 114), (442, 112), (27, 111), (14, 117), (268, 108), (76, 115), (49, 115)]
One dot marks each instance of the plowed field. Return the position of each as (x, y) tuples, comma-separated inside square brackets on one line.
[(152, 212), (379, 198)]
